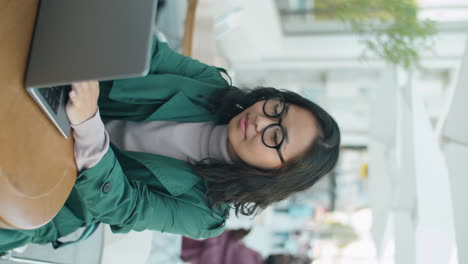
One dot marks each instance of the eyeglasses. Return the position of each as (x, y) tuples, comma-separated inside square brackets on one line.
[(274, 134)]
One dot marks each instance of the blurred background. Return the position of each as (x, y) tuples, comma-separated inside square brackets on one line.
[(396, 83)]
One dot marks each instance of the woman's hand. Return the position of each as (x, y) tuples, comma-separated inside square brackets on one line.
[(82, 103)]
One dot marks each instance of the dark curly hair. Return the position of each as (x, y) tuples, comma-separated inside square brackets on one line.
[(250, 189)]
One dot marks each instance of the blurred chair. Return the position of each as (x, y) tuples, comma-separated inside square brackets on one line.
[(189, 27), (175, 26)]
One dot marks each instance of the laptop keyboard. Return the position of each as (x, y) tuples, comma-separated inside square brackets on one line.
[(54, 95)]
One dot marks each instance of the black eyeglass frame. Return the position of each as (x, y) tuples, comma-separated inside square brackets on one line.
[(279, 116)]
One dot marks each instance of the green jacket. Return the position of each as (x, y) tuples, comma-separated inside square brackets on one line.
[(152, 191), (138, 191)]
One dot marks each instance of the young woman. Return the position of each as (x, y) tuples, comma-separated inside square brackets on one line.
[(174, 150)]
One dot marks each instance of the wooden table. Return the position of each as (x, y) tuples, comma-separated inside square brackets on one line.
[(37, 168)]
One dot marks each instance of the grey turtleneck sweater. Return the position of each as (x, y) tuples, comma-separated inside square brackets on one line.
[(184, 141)]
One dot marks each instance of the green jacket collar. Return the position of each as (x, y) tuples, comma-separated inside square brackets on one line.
[(175, 175)]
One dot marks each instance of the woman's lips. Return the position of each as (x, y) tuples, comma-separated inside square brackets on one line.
[(243, 124)]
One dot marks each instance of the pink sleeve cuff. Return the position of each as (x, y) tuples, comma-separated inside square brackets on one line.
[(91, 142)]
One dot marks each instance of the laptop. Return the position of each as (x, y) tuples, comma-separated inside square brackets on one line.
[(80, 40)]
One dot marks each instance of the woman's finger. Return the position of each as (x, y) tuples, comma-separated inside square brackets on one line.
[(86, 90), (76, 86), (76, 90), (79, 88), (85, 86), (73, 96), (95, 87)]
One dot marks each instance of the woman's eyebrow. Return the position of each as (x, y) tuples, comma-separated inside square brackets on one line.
[(286, 110)]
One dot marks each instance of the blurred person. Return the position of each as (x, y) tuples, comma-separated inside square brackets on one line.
[(229, 249)]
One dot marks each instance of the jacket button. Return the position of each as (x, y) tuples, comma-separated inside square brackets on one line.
[(106, 187)]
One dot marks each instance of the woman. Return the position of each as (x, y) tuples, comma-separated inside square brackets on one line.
[(179, 147)]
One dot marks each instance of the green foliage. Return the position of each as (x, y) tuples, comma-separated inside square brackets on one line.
[(389, 28)]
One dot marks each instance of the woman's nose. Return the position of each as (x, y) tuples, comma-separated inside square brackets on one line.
[(261, 122)]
